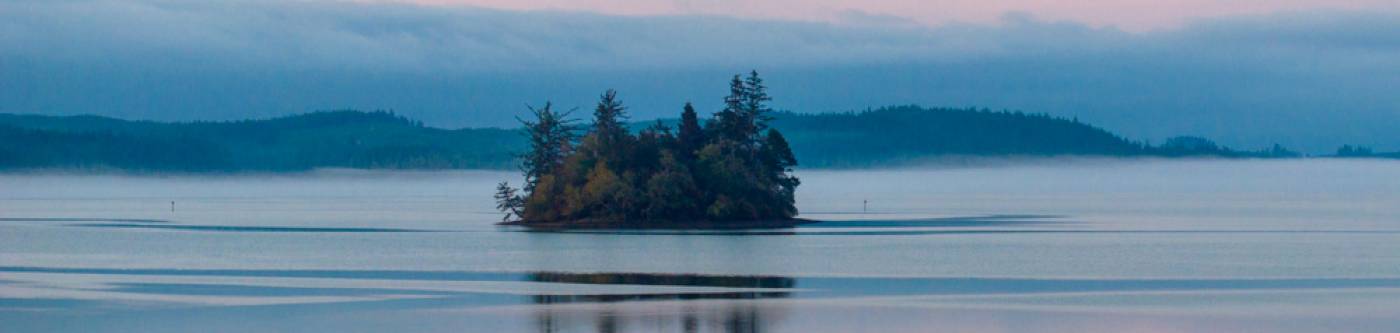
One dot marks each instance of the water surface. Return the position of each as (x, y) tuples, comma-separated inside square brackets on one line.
[(1073, 246)]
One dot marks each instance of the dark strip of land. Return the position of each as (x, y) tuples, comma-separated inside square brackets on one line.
[(383, 140)]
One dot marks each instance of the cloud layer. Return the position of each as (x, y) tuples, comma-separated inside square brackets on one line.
[(1133, 15), (1307, 79)]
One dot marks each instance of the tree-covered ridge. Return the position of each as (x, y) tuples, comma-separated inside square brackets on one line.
[(383, 140), (910, 133), (348, 139), (1349, 151), (732, 168)]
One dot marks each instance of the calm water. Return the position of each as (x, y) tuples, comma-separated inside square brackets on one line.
[(1071, 246)]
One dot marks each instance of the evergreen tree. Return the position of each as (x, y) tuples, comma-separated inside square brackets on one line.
[(745, 113), (778, 153), (756, 104), (779, 160), (610, 137), (551, 139), (508, 201), (608, 118), (689, 133), (730, 121), (733, 173), (650, 143)]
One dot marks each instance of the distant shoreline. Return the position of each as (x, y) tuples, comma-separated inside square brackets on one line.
[(658, 225), (891, 137), (952, 162)]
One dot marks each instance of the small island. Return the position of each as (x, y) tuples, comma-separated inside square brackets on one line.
[(731, 172)]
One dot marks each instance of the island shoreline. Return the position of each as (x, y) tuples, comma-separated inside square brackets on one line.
[(659, 225)]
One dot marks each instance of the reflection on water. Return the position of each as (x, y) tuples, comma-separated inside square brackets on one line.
[(728, 317), (750, 282), (665, 279), (864, 227), (725, 316)]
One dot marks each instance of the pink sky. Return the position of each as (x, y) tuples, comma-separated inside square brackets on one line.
[(1133, 15)]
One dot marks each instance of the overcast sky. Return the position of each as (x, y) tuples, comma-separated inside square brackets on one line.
[(1131, 15), (1308, 74)]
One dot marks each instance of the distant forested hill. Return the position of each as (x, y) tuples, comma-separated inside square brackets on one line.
[(348, 139), (383, 140), (909, 133)]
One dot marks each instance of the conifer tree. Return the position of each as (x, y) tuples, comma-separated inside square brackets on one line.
[(779, 160), (508, 201), (551, 139), (755, 104), (610, 137), (689, 133), (608, 117), (733, 172), (777, 153), (730, 120)]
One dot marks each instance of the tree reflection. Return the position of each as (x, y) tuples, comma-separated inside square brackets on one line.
[(725, 312)]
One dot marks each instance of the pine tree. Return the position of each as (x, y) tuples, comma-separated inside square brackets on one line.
[(508, 201), (755, 104), (690, 135), (551, 137), (745, 113), (608, 118), (610, 139), (730, 120)]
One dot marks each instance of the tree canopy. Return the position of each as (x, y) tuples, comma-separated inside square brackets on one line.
[(733, 168)]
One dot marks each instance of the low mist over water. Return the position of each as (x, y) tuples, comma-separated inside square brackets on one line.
[(1043, 245)]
